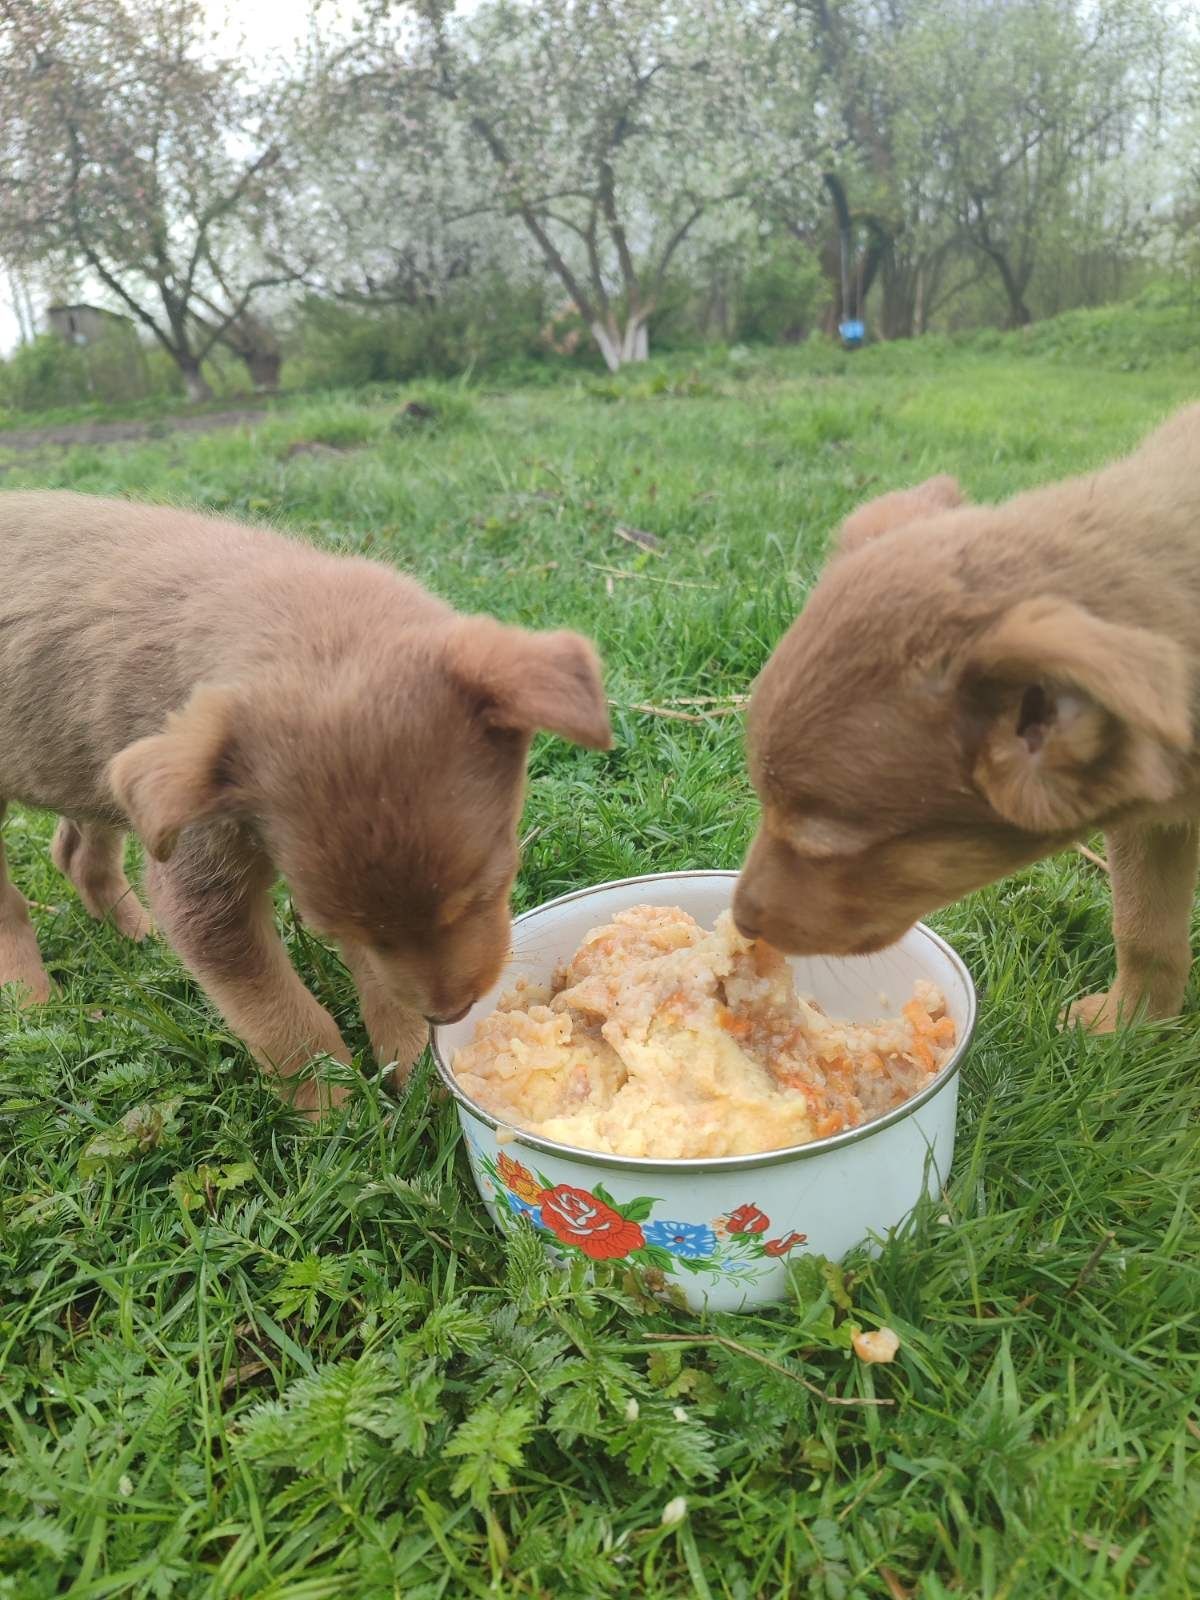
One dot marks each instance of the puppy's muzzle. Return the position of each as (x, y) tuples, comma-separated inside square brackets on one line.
[(445, 1022)]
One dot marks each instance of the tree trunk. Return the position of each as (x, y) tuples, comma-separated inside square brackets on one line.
[(836, 261), (635, 346), (22, 311), (195, 384), (898, 296), (1019, 314), (610, 348), (620, 347), (918, 320), (263, 367)]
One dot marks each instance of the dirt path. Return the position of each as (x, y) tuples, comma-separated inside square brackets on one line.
[(110, 432)]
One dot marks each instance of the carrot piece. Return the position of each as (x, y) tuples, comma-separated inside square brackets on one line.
[(917, 1017), (738, 1027)]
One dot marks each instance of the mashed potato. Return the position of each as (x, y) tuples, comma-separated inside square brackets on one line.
[(658, 1038)]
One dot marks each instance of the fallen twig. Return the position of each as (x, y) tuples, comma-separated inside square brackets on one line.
[(709, 700), (895, 1588), (246, 1373), (1090, 855), (756, 1355), (648, 577), (726, 705), (649, 542), (1081, 1277), (1114, 1552), (848, 1511), (1092, 1262), (685, 716), (665, 711)]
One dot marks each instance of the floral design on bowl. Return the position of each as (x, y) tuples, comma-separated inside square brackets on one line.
[(593, 1223)]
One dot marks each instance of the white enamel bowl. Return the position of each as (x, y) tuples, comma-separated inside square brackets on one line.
[(720, 1228)]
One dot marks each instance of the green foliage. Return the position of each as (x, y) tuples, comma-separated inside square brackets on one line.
[(1162, 324), (478, 326), (489, 1446), (247, 1358), (779, 295), (208, 1183), (331, 1423), (142, 1129), (44, 373), (120, 368), (162, 376), (114, 376)]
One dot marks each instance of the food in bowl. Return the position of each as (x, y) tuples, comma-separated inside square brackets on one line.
[(660, 1039)]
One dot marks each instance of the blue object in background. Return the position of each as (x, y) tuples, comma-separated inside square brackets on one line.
[(853, 332)]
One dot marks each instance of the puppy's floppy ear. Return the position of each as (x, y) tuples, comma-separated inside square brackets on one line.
[(185, 774), (525, 681), (1081, 715), (894, 510)]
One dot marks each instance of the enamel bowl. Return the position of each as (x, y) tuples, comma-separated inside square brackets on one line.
[(721, 1229)]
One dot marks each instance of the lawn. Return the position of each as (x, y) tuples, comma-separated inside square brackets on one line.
[(246, 1359)]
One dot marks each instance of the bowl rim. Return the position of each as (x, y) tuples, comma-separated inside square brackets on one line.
[(697, 1164)]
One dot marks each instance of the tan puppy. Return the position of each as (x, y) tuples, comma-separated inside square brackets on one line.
[(971, 689), (254, 707)]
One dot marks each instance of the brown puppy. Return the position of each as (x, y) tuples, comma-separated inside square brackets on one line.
[(973, 688), (254, 707)]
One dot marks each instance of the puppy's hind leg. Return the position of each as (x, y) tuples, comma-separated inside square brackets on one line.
[(1154, 882), (92, 857), (20, 958)]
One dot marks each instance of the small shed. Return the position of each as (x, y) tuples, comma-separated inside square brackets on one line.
[(85, 325)]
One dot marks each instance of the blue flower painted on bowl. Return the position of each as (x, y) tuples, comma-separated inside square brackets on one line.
[(690, 1239), (522, 1208)]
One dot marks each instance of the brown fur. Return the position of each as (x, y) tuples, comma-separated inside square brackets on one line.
[(972, 688), (890, 510), (254, 707)]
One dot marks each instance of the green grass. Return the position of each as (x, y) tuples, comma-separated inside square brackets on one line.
[(244, 1359)]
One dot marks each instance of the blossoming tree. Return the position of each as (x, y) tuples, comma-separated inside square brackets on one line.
[(136, 156), (607, 128)]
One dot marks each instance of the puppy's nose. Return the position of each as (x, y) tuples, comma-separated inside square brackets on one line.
[(746, 918), (445, 1022)]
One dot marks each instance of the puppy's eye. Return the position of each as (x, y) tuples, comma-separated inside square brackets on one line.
[(821, 837), (457, 907), (1035, 715)]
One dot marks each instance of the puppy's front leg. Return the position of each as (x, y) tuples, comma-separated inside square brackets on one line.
[(397, 1032), (1154, 882), (212, 901)]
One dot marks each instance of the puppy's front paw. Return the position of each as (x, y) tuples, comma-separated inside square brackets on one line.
[(1095, 1013), (130, 918), (316, 1099), (401, 1045), (28, 990)]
